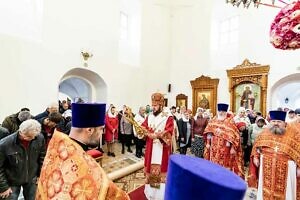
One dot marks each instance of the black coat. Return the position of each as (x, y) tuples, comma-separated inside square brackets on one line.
[(17, 164), (42, 115), (182, 129)]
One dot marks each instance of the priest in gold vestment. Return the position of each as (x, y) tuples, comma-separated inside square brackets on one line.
[(275, 161), (68, 172)]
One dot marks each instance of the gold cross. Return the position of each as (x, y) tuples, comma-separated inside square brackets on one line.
[(276, 148)]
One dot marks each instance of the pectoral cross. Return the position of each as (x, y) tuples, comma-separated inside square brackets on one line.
[(218, 131), (276, 149)]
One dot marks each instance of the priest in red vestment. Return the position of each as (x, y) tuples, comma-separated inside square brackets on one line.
[(275, 160), (68, 172), (222, 141), (159, 127)]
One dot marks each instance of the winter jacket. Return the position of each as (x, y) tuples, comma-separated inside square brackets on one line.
[(17, 164)]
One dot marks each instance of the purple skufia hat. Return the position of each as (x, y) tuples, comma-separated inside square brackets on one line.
[(86, 115), (222, 107), (277, 115), (195, 178)]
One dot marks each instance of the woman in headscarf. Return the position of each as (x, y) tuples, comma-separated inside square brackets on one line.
[(111, 129), (200, 123), (185, 128)]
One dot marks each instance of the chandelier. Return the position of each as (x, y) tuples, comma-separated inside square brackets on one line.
[(256, 3), (246, 3)]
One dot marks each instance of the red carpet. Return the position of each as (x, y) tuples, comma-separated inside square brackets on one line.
[(138, 194)]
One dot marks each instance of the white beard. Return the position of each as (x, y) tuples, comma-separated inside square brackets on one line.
[(185, 119), (219, 117)]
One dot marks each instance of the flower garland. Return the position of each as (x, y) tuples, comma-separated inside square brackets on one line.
[(285, 28)]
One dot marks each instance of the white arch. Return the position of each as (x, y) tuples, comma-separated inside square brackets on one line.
[(286, 87), (84, 82)]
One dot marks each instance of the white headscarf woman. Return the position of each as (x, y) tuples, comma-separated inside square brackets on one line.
[(199, 112)]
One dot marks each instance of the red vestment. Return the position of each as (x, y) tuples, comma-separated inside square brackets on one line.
[(224, 136), (156, 173), (276, 150)]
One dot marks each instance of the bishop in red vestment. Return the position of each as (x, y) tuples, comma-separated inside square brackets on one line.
[(158, 148)]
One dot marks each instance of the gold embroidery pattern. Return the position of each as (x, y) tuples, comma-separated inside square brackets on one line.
[(155, 177), (288, 143), (166, 137), (69, 173), (219, 153), (225, 129), (277, 150), (275, 170)]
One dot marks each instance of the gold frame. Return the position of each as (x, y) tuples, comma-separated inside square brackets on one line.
[(205, 85), (249, 72), (181, 99)]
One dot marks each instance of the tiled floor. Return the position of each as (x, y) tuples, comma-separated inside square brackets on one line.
[(130, 181), (110, 164)]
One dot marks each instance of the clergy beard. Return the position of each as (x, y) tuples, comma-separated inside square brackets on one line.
[(276, 130), (221, 117), (155, 113)]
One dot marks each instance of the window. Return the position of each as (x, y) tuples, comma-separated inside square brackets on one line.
[(229, 32), (225, 40), (123, 26), (130, 32)]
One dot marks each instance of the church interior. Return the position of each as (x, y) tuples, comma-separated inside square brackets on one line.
[(197, 53)]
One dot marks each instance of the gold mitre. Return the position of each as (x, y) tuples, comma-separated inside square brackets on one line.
[(157, 98)]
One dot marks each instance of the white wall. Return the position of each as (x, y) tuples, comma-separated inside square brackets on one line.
[(190, 33), (194, 31), (175, 47), (32, 69), (155, 45)]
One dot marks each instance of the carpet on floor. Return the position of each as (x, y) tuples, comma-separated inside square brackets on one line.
[(138, 194)]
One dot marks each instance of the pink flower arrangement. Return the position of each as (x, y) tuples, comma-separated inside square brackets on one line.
[(285, 29)]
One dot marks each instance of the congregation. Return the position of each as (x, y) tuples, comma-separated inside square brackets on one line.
[(243, 142)]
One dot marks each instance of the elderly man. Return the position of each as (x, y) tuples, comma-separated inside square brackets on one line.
[(21, 158), (160, 126), (12, 122), (275, 160), (223, 144), (68, 171), (53, 107)]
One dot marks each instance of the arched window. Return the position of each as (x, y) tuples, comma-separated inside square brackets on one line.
[(130, 32)]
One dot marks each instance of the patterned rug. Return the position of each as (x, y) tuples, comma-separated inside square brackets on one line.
[(111, 164), (136, 179), (119, 163), (131, 181)]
